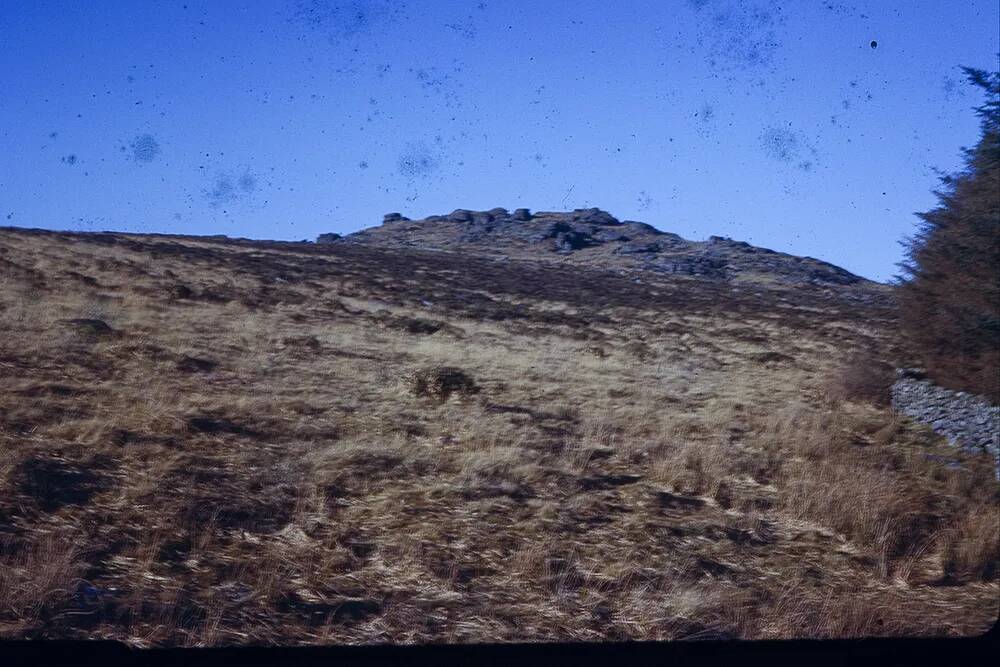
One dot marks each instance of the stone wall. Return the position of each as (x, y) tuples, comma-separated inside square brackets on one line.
[(968, 421)]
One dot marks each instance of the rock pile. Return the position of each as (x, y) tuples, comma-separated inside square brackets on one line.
[(966, 420)]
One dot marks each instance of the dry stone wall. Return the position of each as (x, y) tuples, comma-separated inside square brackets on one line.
[(967, 420)]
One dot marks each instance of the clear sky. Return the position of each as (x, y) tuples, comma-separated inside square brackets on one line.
[(779, 125)]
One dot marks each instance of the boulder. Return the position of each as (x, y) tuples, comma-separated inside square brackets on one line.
[(639, 228), (594, 216), (709, 267), (610, 236), (460, 215), (637, 248)]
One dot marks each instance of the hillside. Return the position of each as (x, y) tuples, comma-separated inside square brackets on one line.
[(580, 437)]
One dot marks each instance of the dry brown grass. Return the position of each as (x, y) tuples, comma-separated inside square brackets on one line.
[(970, 548), (862, 377), (696, 479)]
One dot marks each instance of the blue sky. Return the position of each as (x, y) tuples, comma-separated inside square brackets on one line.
[(285, 119)]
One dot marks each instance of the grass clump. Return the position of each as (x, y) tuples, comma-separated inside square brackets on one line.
[(441, 382)]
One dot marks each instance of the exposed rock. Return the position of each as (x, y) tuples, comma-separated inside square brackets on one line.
[(328, 237), (728, 242), (829, 274), (595, 237), (641, 228), (460, 215), (569, 241), (607, 235), (595, 216), (693, 265), (967, 421), (638, 248), (498, 212)]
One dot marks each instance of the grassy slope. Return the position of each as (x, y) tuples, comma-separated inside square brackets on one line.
[(243, 459)]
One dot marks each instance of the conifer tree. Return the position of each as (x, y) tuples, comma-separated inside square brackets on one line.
[(950, 291)]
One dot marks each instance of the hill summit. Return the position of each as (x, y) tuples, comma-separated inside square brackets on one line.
[(592, 236)]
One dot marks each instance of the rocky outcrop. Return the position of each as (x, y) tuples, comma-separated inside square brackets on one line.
[(705, 267), (967, 420), (595, 237)]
